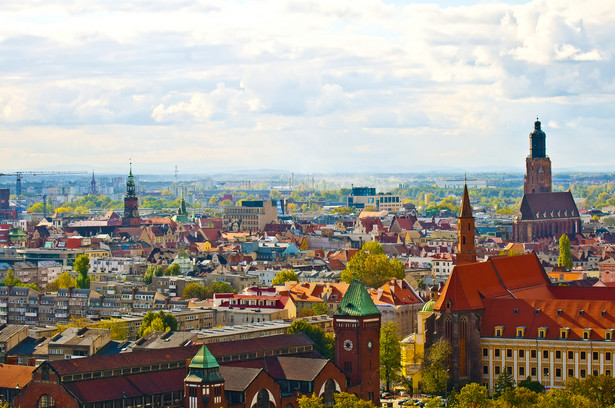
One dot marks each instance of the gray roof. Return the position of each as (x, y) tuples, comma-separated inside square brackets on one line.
[(238, 378)]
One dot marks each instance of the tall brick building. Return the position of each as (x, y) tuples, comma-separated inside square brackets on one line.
[(543, 213)]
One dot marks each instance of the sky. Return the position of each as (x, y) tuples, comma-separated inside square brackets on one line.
[(304, 85)]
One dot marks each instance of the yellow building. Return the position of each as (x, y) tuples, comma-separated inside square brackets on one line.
[(413, 346)]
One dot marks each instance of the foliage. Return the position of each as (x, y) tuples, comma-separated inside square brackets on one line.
[(119, 328), (311, 401), (61, 282), (194, 290), (435, 367), (342, 210), (218, 287), (11, 280), (531, 385), (390, 354), (504, 382), (372, 267), (74, 322), (320, 309), (82, 266), (473, 396), (285, 275), (558, 398), (511, 252), (342, 400), (160, 321), (435, 402), (172, 270), (599, 389), (518, 397), (37, 208), (565, 256), (275, 194), (323, 343), (150, 272)]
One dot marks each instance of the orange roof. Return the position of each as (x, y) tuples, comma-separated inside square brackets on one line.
[(395, 292), (12, 376)]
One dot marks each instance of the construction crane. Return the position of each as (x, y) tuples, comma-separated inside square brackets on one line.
[(20, 174)]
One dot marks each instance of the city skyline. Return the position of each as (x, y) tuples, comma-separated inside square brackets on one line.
[(336, 86)]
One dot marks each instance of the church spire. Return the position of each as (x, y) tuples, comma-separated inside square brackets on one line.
[(466, 251)]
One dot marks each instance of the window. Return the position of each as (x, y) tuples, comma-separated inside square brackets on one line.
[(533, 353), (571, 355), (558, 354), (509, 370), (521, 353), (595, 355), (583, 355), (521, 371), (585, 335), (558, 372), (607, 356), (347, 366), (498, 332), (497, 370), (607, 335), (533, 371), (571, 372), (485, 352), (607, 373), (545, 371), (485, 370), (496, 352), (583, 374), (509, 353), (595, 373), (545, 354)]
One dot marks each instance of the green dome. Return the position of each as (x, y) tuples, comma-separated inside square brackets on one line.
[(428, 307)]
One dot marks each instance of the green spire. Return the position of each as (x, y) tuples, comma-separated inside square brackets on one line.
[(357, 302), (130, 183), (204, 359), (204, 368)]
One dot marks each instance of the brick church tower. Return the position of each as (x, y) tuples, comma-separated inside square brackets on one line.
[(466, 252), (204, 386), (537, 164), (131, 203), (357, 342)]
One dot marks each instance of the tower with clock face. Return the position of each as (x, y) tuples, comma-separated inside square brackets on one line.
[(357, 342), (131, 203)]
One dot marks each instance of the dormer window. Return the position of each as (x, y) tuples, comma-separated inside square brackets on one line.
[(542, 332), (581, 312), (559, 312), (608, 334), (587, 333), (603, 313), (516, 311), (499, 330), (563, 332), (521, 331), (537, 312)]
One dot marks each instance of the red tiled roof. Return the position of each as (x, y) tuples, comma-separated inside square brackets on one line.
[(13, 376)]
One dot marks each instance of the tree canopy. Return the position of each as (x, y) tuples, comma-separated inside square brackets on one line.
[(565, 256), (82, 266), (323, 343), (160, 321), (390, 354), (11, 280), (61, 282), (285, 275), (342, 400), (372, 267), (435, 367)]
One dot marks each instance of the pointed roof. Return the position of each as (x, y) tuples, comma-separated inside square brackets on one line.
[(357, 302), (466, 207), (204, 359)]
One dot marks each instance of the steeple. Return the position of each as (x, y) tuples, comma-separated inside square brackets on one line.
[(204, 386), (130, 184), (538, 164), (93, 190), (466, 251)]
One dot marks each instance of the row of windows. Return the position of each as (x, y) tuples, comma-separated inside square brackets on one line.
[(545, 371), (595, 355)]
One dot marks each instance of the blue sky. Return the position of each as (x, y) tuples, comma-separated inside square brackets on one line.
[(304, 85)]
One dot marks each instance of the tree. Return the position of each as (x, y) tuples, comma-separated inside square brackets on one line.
[(320, 309), (435, 367), (119, 328), (11, 280), (390, 354), (435, 402), (310, 402), (218, 287), (565, 256), (346, 400), (292, 207), (519, 397), (165, 322), (194, 290), (600, 389), (213, 201), (372, 267), (531, 385), (61, 282), (150, 272), (82, 266), (504, 382), (275, 194), (285, 275), (172, 270), (473, 395), (323, 343), (558, 398)]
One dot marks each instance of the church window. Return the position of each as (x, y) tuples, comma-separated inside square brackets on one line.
[(46, 401)]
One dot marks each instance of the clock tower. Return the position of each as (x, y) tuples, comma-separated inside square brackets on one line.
[(357, 342), (131, 203)]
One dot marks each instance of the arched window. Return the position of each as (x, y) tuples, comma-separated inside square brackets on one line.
[(328, 396), (463, 338), (262, 400), (45, 401)]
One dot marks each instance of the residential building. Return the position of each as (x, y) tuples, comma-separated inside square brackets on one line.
[(365, 197), (252, 215)]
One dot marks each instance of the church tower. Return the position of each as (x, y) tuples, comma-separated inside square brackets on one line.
[(357, 342), (466, 252), (131, 203), (93, 190), (538, 164), (204, 386)]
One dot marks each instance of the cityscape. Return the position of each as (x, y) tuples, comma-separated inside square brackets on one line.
[(324, 204)]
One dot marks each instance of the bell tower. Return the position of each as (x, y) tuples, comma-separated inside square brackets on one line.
[(466, 252), (537, 164), (131, 203), (204, 386), (357, 342)]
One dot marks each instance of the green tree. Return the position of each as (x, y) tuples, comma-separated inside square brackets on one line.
[(323, 343), (473, 395), (61, 282), (320, 309), (504, 382), (11, 280), (435, 368), (311, 401), (390, 354), (165, 322), (82, 266), (565, 256), (519, 397), (213, 201), (372, 267), (531, 385), (435, 402), (275, 194), (558, 398), (150, 272), (218, 287), (346, 400), (600, 389), (119, 328), (172, 270), (285, 275), (194, 290)]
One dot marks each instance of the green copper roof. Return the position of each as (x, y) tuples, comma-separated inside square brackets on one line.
[(204, 359), (428, 307), (357, 302)]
